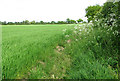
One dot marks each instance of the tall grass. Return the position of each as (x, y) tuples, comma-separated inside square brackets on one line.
[(92, 54)]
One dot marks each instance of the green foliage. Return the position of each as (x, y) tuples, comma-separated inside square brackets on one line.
[(33, 22), (91, 11), (10, 23), (79, 20), (26, 22), (69, 21), (72, 21), (52, 22), (4, 23), (91, 54), (61, 22), (107, 21), (41, 22), (108, 18)]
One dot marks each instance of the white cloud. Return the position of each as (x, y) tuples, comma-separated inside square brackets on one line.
[(46, 10)]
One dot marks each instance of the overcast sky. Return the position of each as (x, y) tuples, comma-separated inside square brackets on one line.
[(46, 10)]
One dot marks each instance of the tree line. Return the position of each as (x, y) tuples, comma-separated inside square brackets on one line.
[(27, 22)]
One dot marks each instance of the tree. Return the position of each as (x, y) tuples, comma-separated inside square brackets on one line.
[(16, 23), (41, 22), (91, 11), (11, 23), (84, 22), (68, 20), (72, 21), (52, 22), (33, 22), (61, 22), (4, 23), (48, 22), (27, 22), (109, 16), (79, 20), (0, 22)]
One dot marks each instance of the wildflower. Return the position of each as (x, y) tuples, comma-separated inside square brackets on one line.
[(85, 30), (80, 30), (90, 24), (111, 19), (112, 14), (66, 35), (53, 76), (64, 30), (105, 24), (76, 39), (75, 27), (98, 36)]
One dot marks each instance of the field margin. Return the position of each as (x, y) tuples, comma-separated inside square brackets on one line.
[(0, 52)]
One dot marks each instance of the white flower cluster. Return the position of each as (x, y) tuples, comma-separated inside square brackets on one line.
[(64, 30), (83, 28), (66, 35), (79, 31), (76, 27)]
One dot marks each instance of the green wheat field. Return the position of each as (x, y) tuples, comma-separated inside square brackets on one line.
[(67, 51)]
